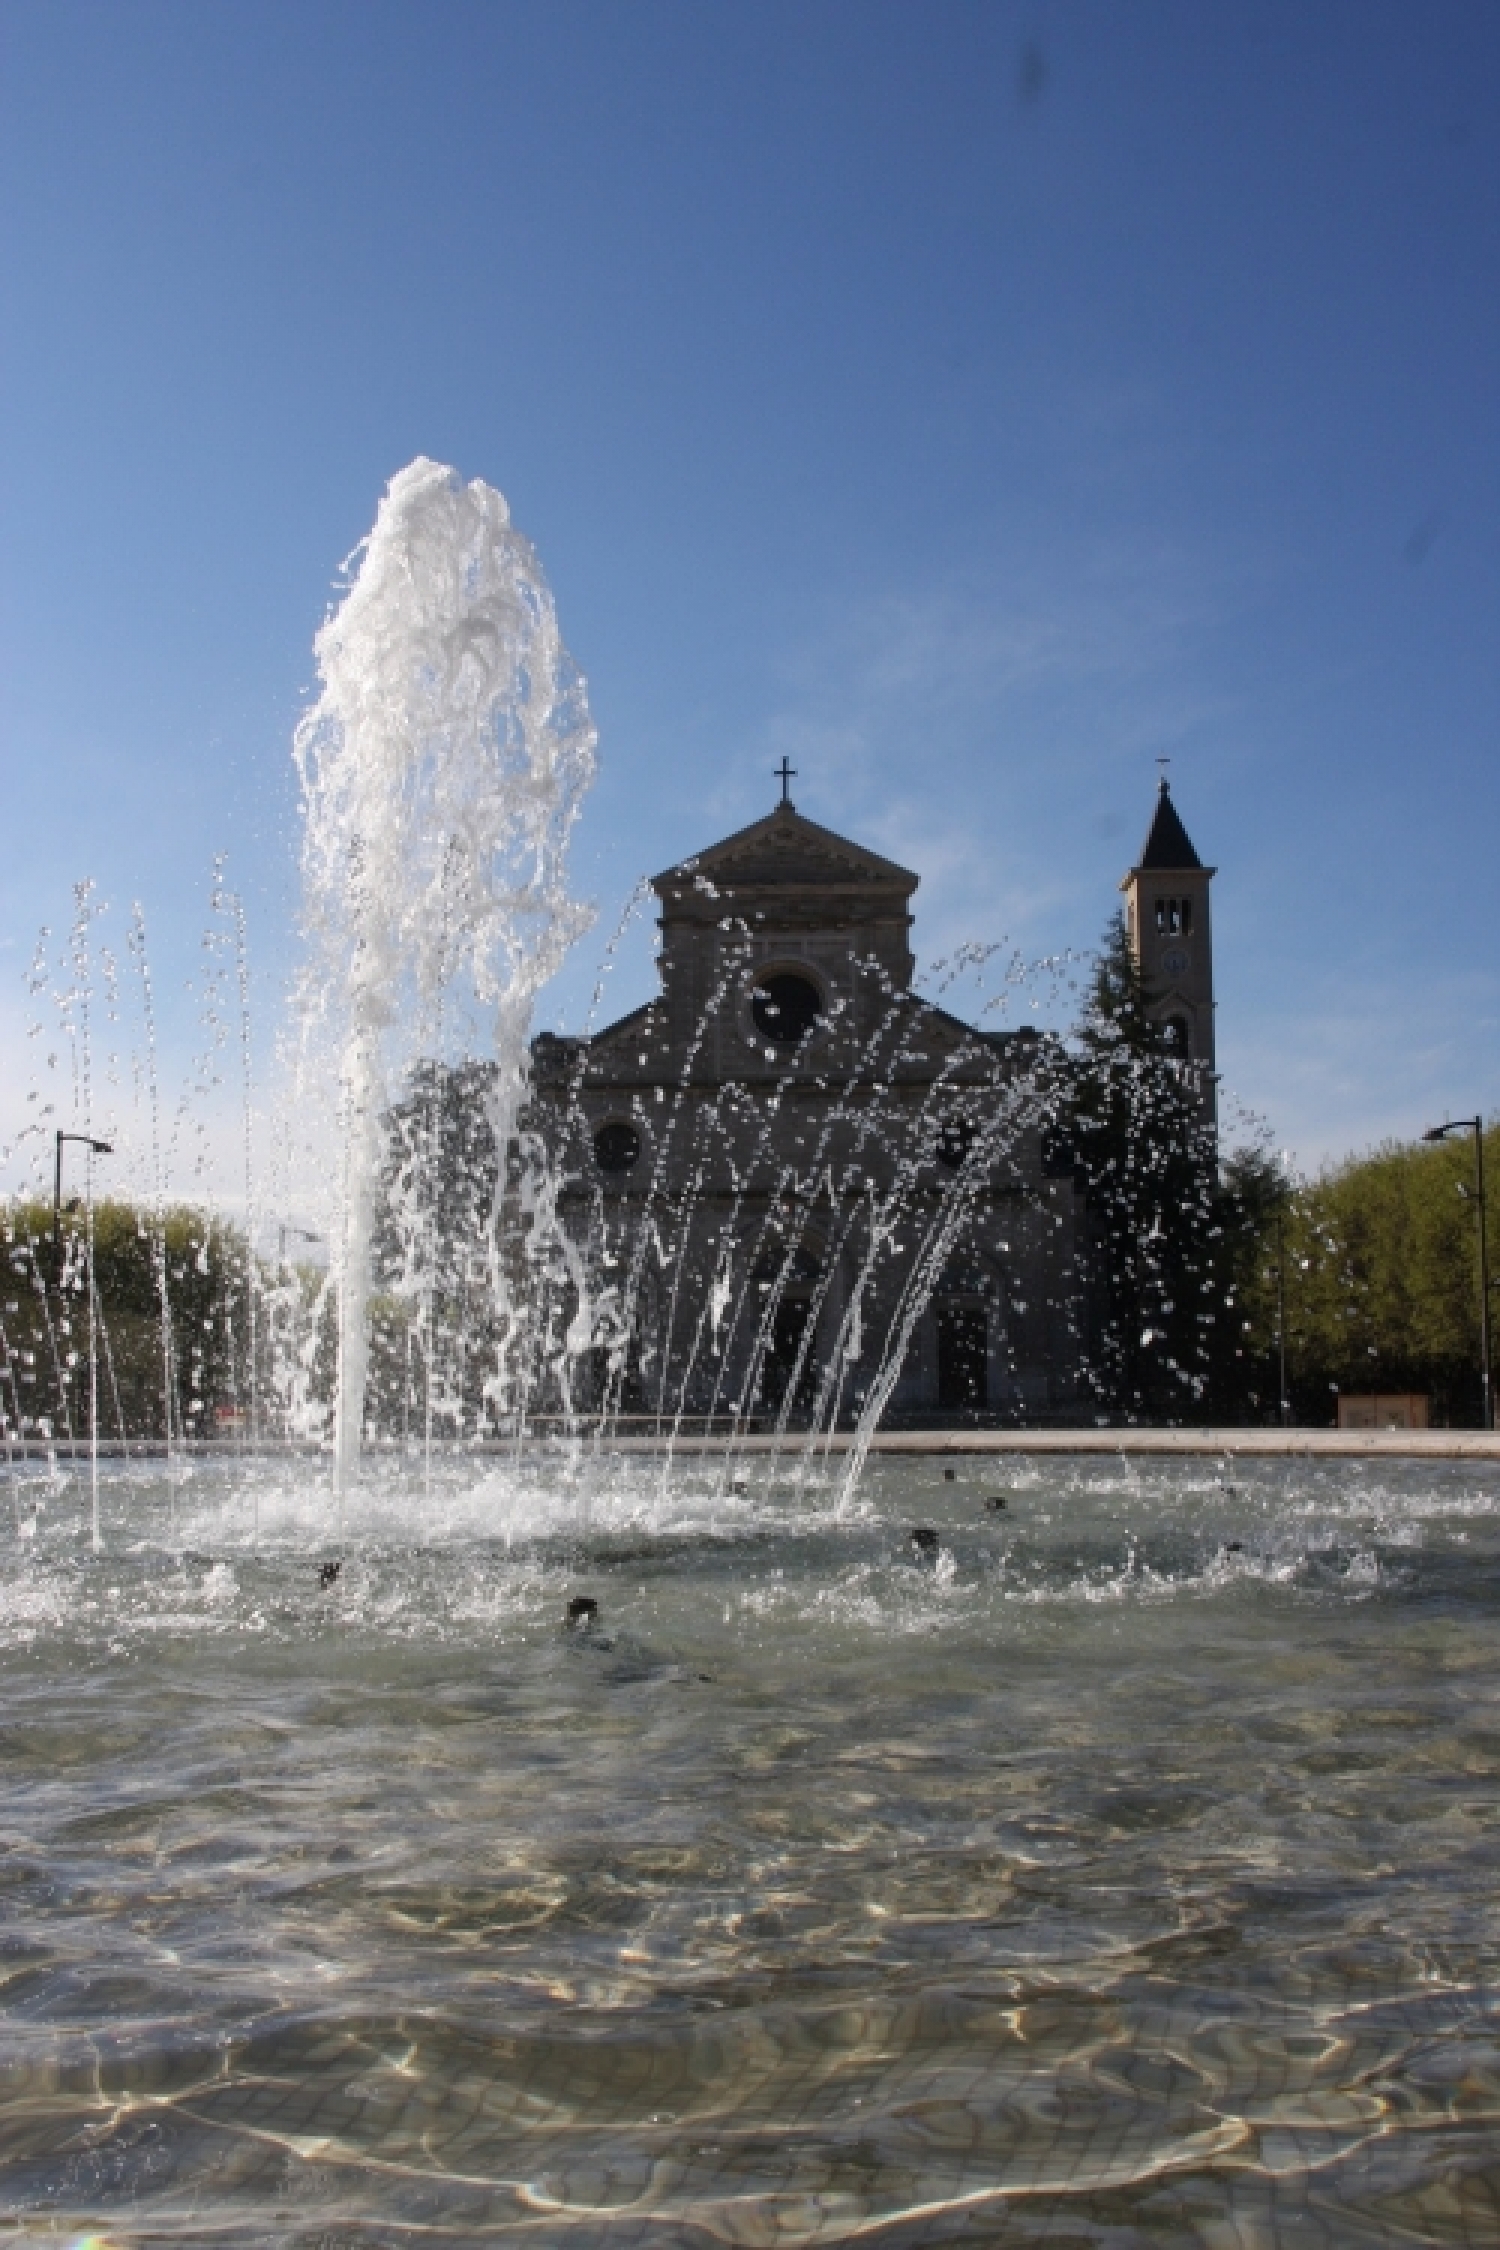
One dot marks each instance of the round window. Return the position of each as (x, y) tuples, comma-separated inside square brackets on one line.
[(785, 1008), (617, 1146)]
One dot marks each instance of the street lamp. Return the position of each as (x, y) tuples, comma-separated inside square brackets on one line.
[(84, 1140), (302, 1233), (1475, 1125), (1283, 1403), (97, 1148)]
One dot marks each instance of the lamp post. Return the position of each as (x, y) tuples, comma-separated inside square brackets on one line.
[(84, 1140), (302, 1233), (1283, 1403), (96, 1148), (1475, 1125)]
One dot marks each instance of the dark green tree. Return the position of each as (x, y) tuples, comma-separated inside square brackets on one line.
[(1253, 1207), (1381, 1280), (1147, 1149), (172, 1320)]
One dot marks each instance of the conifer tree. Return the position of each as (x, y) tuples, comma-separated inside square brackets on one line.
[(1149, 1161)]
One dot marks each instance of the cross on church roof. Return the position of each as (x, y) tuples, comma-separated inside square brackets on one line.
[(784, 773)]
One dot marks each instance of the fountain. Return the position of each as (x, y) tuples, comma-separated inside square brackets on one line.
[(494, 1750), (443, 768)]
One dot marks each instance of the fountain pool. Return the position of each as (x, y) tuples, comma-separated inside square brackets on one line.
[(569, 1845), (1123, 1872)]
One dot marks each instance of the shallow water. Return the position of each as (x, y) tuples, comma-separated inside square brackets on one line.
[(1126, 1874)]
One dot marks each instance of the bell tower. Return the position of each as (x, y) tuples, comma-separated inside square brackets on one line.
[(1167, 919)]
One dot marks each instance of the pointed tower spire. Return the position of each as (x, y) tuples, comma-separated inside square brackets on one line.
[(1167, 841)]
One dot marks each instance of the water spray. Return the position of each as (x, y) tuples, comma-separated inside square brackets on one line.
[(443, 766)]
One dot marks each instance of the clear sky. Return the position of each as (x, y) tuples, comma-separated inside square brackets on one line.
[(976, 401)]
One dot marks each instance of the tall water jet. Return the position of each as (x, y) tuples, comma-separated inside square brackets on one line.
[(443, 766)]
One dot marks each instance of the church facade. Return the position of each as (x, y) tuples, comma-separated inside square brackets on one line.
[(797, 1189)]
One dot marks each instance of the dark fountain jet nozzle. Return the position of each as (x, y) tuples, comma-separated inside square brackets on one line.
[(950, 1476), (925, 1540), (583, 1611), (995, 1502), (329, 1574)]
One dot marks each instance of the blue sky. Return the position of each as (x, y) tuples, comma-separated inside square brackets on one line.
[(975, 401)]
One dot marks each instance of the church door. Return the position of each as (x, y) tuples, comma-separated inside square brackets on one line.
[(788, 1326), (961, 1343)]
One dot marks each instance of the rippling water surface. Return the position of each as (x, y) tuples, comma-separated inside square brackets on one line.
[(1124, 1873)]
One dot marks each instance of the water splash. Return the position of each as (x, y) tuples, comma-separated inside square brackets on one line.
[(443, 767)]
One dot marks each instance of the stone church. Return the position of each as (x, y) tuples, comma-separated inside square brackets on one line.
[(799, 1190)]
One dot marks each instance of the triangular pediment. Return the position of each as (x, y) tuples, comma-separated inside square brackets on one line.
[(786, 850)]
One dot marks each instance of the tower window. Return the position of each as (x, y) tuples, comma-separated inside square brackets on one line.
[(1175, 1035), (1174, 917)]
